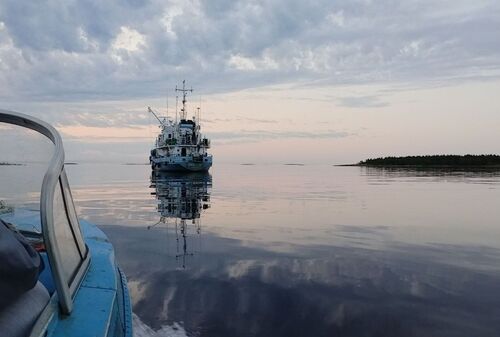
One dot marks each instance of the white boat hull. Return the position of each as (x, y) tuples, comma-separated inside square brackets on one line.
[(181, 164)]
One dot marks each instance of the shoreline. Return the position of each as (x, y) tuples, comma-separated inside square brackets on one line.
[(422, 166), (10, 164), (468, 161)]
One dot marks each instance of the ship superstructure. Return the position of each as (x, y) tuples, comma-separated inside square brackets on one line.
[(180, 146)]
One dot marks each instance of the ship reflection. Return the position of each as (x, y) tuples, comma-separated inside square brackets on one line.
[(181, 200)]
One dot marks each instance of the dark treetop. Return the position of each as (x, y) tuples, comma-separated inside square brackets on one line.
[(5, 164), (436, 161)]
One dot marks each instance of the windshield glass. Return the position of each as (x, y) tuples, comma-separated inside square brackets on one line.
[(24, 159)]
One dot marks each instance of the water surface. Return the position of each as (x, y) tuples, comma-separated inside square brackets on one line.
[(289, 250)]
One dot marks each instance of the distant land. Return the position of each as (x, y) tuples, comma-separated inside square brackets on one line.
[(469, 160), (10, 164)]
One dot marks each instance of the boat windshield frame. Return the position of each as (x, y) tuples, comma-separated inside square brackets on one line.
[(55, 178)]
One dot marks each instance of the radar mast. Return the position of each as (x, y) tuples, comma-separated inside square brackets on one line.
[(184, 94)]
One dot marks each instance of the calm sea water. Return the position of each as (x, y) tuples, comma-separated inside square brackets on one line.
[(281, 250)]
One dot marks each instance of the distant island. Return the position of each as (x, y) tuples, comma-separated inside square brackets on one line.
[(10, 164), (469, 160)]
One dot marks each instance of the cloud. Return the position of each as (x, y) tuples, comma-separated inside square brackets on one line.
[(241, 119), (259, 135), (126, 43), (74, 50), (362, 102)]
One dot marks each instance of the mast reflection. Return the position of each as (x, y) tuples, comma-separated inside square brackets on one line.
[(181, 200)]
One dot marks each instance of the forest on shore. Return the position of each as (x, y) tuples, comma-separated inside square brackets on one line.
[(9, 164), (469, 160)]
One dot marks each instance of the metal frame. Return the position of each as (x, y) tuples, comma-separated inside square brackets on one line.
[(55, 177)]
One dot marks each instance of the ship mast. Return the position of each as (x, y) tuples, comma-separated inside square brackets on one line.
[(184, 94)]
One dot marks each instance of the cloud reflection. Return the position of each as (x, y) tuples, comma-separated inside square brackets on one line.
[(316, 291)]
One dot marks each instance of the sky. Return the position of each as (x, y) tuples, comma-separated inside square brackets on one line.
[(320, 82)]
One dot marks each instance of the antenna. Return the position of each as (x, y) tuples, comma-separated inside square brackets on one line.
[(199, 112), (184, 94), (167, 105), (176, 105)]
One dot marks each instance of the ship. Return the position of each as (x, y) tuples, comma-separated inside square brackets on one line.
[(180, 146)]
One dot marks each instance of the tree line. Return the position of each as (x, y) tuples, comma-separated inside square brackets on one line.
[(435, 160)]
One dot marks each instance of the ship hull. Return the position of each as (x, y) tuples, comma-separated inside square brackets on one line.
[(160, 165)]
